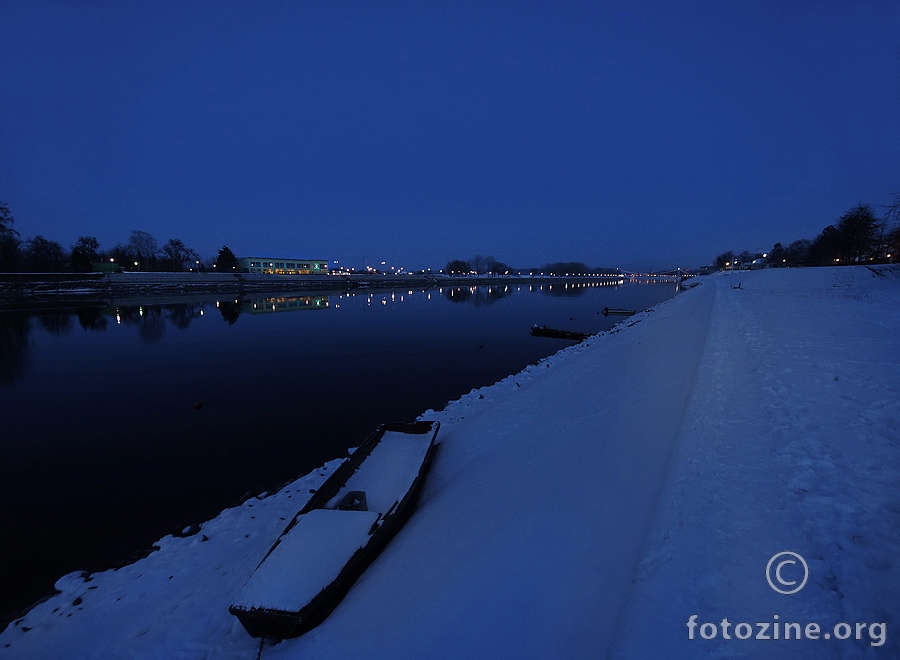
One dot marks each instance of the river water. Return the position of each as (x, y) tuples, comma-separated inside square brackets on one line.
[(124, 423)]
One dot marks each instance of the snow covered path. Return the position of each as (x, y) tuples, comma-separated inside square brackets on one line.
[(791, 442), (589, 505)]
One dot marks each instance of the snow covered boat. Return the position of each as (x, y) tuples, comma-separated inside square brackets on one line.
[(544, 331), (607, 311), (338, 533)]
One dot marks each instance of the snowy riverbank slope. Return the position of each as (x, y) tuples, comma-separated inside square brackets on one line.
[(588, 506)]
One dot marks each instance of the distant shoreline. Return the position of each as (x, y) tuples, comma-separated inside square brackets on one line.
[(26, 289)]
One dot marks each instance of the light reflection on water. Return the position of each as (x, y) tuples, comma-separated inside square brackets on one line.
[(126, 422)]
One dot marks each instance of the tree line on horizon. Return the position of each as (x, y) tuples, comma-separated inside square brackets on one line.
[(858, 236), (140, 253), (480, 265)]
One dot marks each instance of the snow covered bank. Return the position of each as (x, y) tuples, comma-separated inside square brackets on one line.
[(791, 442), (589, 505)]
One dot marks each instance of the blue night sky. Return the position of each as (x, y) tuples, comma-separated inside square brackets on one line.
[(630, 134)]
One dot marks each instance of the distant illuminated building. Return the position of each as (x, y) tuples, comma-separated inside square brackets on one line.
[(283, 266)]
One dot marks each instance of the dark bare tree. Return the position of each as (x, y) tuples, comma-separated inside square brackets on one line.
[(458, 267), (43, 256), (724, 260), (479, 264), (144, 246), (858, 230), (777, 256), (798, 252), (9, 240), (826, 248), (891, 230), (177, 254), (892, 215), (84, 253), (124, 256)]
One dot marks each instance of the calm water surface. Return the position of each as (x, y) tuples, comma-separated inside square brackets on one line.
[(123, 424)]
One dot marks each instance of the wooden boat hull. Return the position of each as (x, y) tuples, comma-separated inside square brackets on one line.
[(618, 312), (537, 331), (281, 623)]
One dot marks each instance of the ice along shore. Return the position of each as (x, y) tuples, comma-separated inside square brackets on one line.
[(589, 505)]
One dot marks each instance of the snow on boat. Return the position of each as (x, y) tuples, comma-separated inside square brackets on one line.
[(338, 533)]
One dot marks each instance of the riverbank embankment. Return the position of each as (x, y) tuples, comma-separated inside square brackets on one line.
[(620, 486)]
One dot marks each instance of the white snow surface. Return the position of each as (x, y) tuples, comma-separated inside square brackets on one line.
[(587, 506), (389, 471), (307, 559)]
